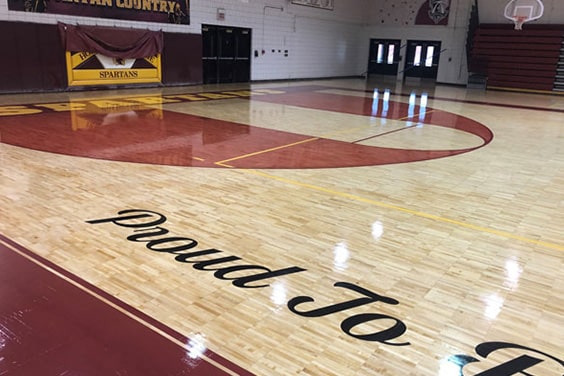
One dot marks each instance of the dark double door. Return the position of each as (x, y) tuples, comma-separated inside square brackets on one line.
[(384, 56), (422, 59), (226, 54)]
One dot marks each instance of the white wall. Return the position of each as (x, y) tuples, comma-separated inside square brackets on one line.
[(391, 19), (491, 11), (320, 43)]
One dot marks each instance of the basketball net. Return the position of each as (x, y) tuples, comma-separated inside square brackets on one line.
[(519, 20)]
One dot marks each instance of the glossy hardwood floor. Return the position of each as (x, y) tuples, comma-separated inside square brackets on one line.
[(337, 227)]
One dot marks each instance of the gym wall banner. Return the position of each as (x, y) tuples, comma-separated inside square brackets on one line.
[(163, 11), (433, 12), (97, 55), (85, 68)]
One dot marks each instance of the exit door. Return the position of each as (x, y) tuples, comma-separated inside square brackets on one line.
[(226, 55), (384, 56), (422, 59)]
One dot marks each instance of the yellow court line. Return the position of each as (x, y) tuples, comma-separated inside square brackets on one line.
[(115, 306), (266, 151), (413, 116), (409, 211)]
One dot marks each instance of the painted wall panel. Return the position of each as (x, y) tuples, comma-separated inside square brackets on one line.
[(182, 59), (29, 63)]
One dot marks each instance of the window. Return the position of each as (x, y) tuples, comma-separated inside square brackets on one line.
[(429, 58), (417, 57), (391, 49), (380, 58)]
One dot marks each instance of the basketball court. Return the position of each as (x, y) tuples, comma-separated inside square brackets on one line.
[(336, 227)]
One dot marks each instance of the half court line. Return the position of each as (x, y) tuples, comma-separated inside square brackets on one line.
[(385, 133), (416, 116), (223, 163), (417, 213)]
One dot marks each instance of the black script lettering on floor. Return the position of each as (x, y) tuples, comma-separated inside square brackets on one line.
[(515, 366), (348, 324), (146, 225), (147, 230)]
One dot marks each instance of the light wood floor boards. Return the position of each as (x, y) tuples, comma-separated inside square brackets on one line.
[(439, 258)]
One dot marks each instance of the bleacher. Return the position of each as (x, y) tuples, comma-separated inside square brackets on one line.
[(525, 59)]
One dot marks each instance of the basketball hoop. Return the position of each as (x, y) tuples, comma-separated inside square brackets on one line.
[(521, 11), (519, 20)]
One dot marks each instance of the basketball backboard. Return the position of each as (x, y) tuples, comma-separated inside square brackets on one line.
[(521, 11)]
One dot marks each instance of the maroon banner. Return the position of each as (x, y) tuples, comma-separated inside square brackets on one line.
[(111, 41), (163, 11)]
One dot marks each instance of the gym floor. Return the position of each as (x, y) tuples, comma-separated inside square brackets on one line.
[(332, 227)]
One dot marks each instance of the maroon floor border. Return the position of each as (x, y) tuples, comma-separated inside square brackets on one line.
[(191, 368)]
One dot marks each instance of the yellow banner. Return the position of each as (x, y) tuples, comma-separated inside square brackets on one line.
[(79, 58), (78, 76)]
